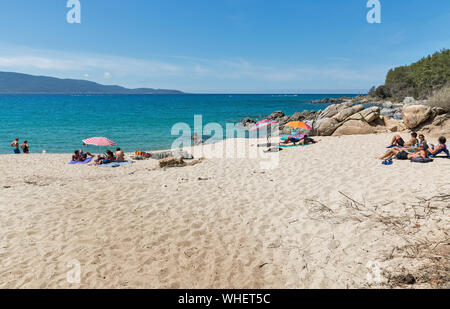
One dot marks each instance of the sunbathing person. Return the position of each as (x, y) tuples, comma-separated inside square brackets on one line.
[(402, 154), (76, 156), (442, 147), (399, 141), (306, 140), (106, 158), (422, 140), (291, 140), (120, 156)]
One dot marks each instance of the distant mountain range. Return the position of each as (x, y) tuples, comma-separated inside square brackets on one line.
[(17, 83)]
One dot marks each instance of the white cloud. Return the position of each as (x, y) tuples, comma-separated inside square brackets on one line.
[(188, 72)]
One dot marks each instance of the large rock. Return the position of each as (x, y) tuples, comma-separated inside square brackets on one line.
[(394, 125), (409, 100), (329, 112), (440, 126), (388, 111), (334, 109), (388, 104), (326, 126), (414, 115), (352, 127), (368, 115), (347, 112), (302, 116), (276, 115)]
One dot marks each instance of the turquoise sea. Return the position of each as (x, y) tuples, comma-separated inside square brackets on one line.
[(58, 123)]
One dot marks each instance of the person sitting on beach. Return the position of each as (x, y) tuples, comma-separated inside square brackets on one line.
[(120, 156), (85, 154), (402, 154), (15, 145), (106, 158), (76, 156), (25, 147), (422, 140), (435, 150), (398, 141)]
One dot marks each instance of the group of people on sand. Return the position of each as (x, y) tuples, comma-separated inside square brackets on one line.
[(25, 147), (110, 157), (416, 147), (107, 157)]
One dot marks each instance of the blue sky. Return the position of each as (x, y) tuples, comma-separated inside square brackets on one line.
[(246, 46)]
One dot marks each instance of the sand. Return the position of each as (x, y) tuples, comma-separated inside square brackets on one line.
[(227, 223)]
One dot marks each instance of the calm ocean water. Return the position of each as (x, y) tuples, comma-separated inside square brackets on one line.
[(58, 123)]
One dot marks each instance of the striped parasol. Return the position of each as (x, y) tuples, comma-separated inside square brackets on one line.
[(263, 124), (99, 141)]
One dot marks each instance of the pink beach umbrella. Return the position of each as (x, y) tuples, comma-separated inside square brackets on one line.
[(99, 141), (263, 124)]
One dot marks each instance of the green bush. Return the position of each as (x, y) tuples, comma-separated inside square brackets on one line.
[(441, 98)]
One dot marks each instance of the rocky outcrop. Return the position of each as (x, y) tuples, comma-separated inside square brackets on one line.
[(414, 115), (351, 127), (393, 125)]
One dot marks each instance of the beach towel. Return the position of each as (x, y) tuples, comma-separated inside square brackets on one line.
[(117, 164), (390, 147), (81, 162)]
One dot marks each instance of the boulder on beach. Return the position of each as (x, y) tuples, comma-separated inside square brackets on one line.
[(352, 127), (347, 112), (326, 126), (394, 125), (368, 115), (276, 115), (414, 115)]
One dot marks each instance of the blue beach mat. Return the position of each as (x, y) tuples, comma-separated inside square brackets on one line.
[(117, 164), (81, 162), (389, 147)]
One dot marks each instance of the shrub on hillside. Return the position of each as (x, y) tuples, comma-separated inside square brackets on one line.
[(441, 98)]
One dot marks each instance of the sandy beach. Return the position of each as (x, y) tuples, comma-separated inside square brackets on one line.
[(329, 216)]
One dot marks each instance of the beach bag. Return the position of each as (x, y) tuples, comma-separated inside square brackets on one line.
[(422, 160)]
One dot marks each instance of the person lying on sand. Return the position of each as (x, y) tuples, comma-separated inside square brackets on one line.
[(306, 140), (120, 156), (402, 154), (397, 140), (434, 150)]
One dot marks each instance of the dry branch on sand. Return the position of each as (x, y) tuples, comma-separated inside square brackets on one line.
[(431, 254)]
